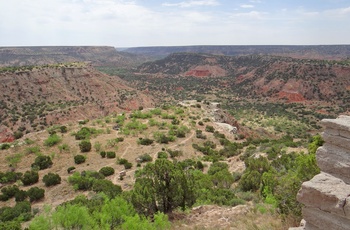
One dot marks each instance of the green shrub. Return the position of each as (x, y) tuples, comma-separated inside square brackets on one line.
[(79, 159), (128, 165), (85, 146), (33, 149), (145, 158), (250, 181), (107, 187), (175, 153), (20, 196), (199, 165), (107, 171), (122, 161), (52, 140), (22, 210), (209, 128), (63, 129), (10, 177), (42, 162), (35, 194), (5, 146), (63, 147), (10, 225), (145, 141), (8, 192), (30, 177), (70, 169), (51, 179), (18, 134), (162, 154), (103, 154), (110, 154)]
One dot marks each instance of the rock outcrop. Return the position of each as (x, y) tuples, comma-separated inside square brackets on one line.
[(327, 196)]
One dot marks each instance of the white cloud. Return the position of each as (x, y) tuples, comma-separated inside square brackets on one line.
[(247, 6), (193, 3), (251, 14)]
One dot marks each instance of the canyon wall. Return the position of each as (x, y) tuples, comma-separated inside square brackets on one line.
[(327, 196)]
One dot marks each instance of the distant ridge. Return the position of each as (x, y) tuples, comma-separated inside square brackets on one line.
[(41, 55), (334, 52)]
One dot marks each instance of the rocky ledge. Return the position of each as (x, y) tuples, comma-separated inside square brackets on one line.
[(327, 196)]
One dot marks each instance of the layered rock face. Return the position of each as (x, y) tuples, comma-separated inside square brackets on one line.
[(327, 196)]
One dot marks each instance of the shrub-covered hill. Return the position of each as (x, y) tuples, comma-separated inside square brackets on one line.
[(252, 76), (33, 97), (142, 168)]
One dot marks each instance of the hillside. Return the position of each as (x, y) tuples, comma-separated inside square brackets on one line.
[(190, 136), (326, 52), (41, 55), (32, 98), (255, 76)]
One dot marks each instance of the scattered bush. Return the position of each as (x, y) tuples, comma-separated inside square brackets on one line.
[(63, 129), (162, 154), (70, 169), (8, 192), (10, 177), (30, 177), (85, 146), (128, 165), (52, 140), (35, 194), (21, 210), (103, 154), (51, 179), (107, 187), (145, 141), (18, 134), (122, 161), (107, 171), (42, 162), (5, 146), (175, 153), (110, 154), (79, 159), (20, 196), (145, 158), (209, 128)]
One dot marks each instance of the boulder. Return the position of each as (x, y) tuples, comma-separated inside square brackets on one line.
[(335, 161), (317, 219), (327, 193)]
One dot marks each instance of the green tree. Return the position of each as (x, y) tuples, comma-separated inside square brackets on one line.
[(73, 217), (162, 186)]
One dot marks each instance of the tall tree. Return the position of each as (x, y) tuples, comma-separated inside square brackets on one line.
[(163, 186)]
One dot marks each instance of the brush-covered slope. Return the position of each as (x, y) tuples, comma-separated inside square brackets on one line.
[(31, 98), (259, 76)]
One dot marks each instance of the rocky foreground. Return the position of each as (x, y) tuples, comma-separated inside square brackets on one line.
[(327, 196)]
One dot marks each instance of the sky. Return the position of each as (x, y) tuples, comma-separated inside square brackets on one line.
[(135, 23)]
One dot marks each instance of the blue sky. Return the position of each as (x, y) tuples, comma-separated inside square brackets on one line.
[(132, 23)]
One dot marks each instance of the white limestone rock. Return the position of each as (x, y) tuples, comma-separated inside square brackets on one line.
[(319, 220), (335, 161), (327, 193)]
